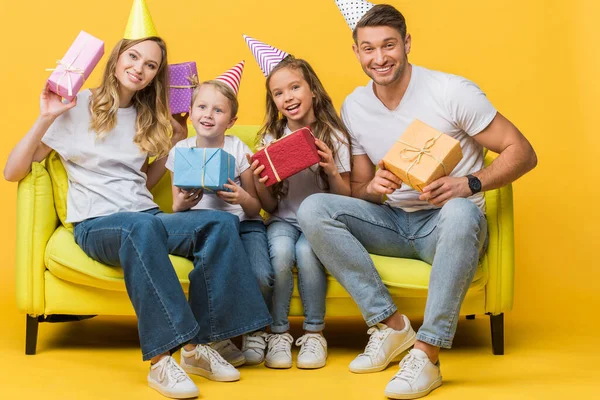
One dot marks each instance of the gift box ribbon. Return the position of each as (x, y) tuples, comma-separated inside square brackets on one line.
[(69, 69), (205, 161), (420, 152), (193, 79)]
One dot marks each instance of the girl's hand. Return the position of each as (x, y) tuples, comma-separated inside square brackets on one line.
[(186, 199), (180, 128), (51, 104), (256, 170), (327, 162), (237, 195)]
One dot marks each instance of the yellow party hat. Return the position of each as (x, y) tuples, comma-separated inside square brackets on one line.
[(140, 23)]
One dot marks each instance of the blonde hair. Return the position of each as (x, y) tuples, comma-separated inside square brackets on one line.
[(224, 89), (152, 126), (327, 127)]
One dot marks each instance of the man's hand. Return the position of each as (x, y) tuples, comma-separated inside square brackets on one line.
[(384, 182), (439, 192)]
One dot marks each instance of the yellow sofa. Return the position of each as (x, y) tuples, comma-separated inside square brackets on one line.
[(56, 281)]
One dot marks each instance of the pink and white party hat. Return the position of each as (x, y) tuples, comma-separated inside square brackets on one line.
[(233, 77), (266, 56), (353, 10)]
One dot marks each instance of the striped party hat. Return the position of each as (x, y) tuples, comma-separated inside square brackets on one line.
[(266, 56), (353, 10), (233, 77)]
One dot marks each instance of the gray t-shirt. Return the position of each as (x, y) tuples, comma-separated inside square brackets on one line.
[(449, 103), (104, 173)]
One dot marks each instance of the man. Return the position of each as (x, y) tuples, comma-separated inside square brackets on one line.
[(444, 226)]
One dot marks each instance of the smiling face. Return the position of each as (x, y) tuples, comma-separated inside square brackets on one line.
[(211, 113), (382, 53), (292, 97), (137, 66)]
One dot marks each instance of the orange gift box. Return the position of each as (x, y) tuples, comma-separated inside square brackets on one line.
[(422, 154)]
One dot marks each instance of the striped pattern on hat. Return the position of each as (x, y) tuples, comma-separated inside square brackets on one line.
[(233, 77), (353, 10), (266, 56)]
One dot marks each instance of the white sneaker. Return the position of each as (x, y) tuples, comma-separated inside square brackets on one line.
[(229, 352), (385, 344), (207, 362), (279, 354), (167, 377), (416, 378), (254, 346), (313, 353)]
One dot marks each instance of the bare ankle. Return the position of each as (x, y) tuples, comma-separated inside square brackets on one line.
[(395, 321), (157, 358), (189, 347), (433, 352)]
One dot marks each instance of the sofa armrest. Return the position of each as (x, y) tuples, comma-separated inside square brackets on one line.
[(500, 256), (36, 221)]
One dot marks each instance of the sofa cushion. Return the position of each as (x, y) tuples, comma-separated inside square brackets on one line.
[(65, 259), (60, 186)]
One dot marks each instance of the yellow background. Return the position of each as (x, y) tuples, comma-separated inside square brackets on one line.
[(536, 60)]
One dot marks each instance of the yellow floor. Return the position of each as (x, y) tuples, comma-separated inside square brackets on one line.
[(100, 359)]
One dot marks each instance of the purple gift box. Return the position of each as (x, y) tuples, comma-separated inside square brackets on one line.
[(183, 79), (76, 66)]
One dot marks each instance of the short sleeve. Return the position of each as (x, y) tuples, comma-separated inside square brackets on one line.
[(170, 164), (469, 108), (59, 135), (241, 150), (346, 118)]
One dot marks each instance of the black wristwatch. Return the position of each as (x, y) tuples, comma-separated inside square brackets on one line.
[(474, 184)]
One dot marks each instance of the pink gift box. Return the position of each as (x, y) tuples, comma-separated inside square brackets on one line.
[(76, 66), (183, 78)]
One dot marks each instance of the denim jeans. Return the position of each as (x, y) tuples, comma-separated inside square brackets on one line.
[(288, 246), (344, 230), (254, 239), (140, 243)]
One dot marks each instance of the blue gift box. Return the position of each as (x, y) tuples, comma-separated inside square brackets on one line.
[(203, 168)]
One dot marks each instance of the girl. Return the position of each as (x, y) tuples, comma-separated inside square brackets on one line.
[(295, 99), (104, 138), (214, 110)]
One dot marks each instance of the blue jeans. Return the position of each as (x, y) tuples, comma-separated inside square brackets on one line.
[(254, 239), (288, 246), (344, 230), (140, 243)]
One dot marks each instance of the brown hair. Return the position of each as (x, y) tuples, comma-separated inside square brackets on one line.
[(152, 125), (327, 127), (382, 15), (224, 89)]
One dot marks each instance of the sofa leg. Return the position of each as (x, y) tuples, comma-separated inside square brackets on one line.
[(31, 335), (497, 327), (471, 316)]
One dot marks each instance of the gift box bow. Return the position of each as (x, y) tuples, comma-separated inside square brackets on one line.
[(416, 154), (192, 78)]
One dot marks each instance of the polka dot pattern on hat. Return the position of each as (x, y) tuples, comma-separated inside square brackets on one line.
[(353, 10)]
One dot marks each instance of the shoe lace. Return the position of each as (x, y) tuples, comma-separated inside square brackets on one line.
[(409, 368), (280, 342), (375, 341), (172, 370), (210, 354), (256, 340), (311, 342)]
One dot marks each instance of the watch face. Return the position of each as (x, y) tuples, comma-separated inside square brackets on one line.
[(475, 185)]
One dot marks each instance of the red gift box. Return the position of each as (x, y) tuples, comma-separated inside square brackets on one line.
[(287, 156)]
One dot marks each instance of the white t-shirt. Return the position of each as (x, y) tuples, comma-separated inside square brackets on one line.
[(210, 201), (449, 103), (298, 187), (104, 173)]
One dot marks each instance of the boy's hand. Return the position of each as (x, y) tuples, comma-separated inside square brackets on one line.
[(237, 195), (187, 199)]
